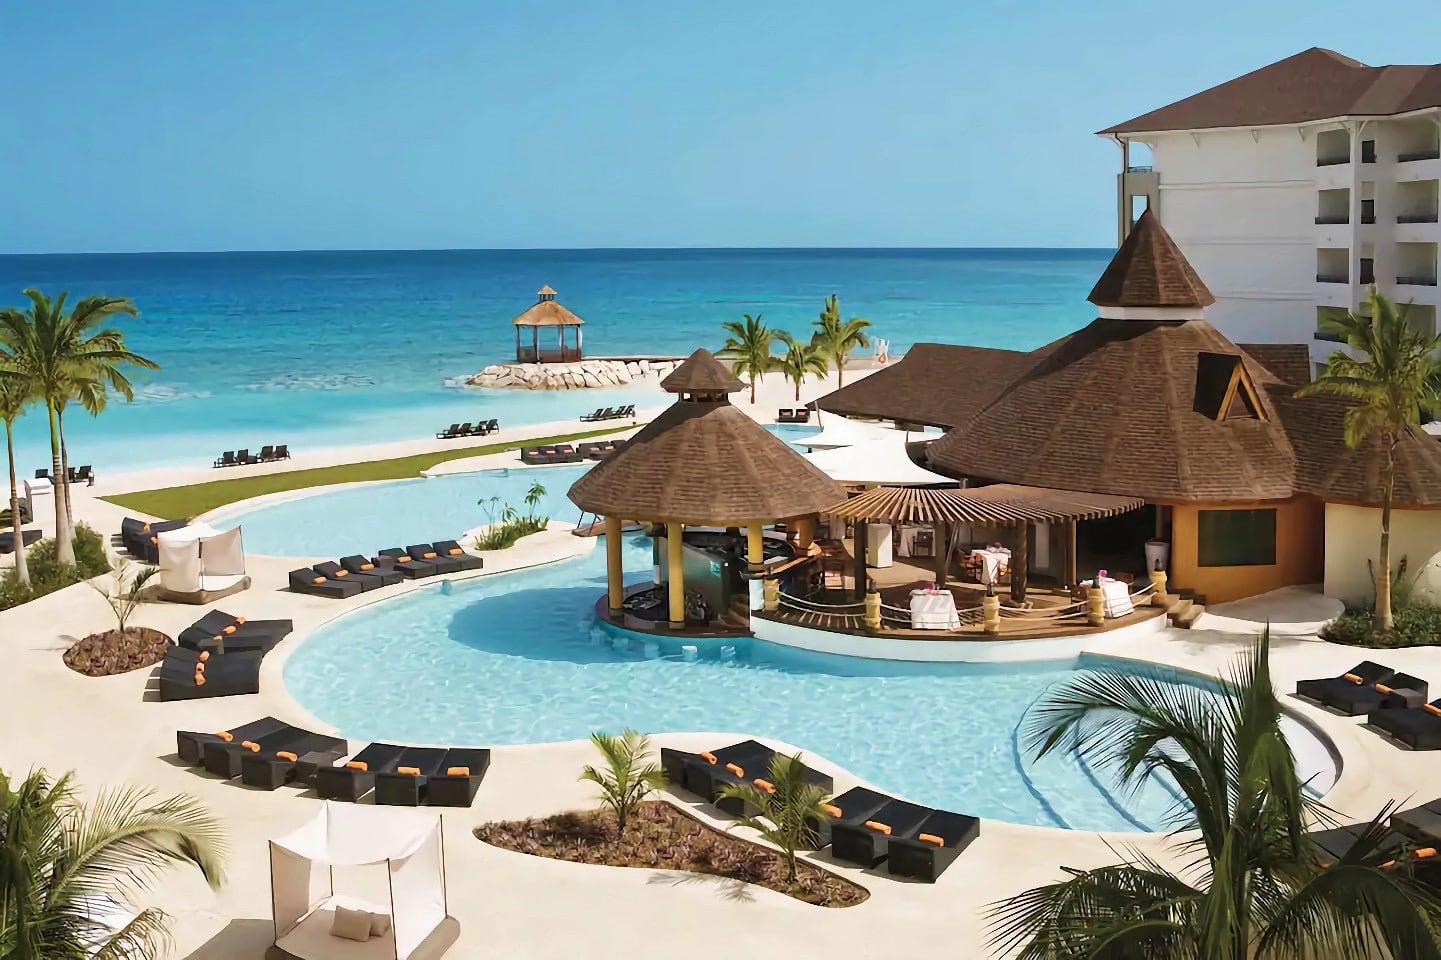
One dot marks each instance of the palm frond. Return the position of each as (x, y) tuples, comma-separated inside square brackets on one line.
[(145, 936)]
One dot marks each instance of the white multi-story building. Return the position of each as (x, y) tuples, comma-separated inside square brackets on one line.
[(1294, 188)]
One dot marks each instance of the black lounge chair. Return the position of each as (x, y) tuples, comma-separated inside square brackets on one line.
[(854, 807), (397, 559), (282, 451), (267, 453), (484, 428), (1356, 686), (404, 786), (307, 580), (1421, 823), (6, 520), (867, 843), (141, 539), (226, 459), (183, 675), (27, 537), (785, 415), (492, 425), (565, 453), (42, 474), (191, 745), (1332, 844), (387, 574), (223, 759), (743, 762), (428, 553), (1417, 727), (537, 456), (802, 415), (243, 457), (449, 433), (452, 788), (592, 417), (297, 761), (354, 779), (452, 550), (335, 573), (221, 632), (917, 855)]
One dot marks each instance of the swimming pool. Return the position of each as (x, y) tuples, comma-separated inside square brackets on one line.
[(514, 659)]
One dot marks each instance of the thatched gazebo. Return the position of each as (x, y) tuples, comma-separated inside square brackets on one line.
[(547, 313), (702, 462)]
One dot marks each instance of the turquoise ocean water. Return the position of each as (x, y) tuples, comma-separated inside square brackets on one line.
[(324, 349)]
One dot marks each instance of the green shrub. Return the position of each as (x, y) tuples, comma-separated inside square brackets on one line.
[(505, 524), (47, 576), (1416, 625)]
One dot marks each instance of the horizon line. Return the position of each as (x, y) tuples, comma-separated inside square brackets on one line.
[(637, 249)]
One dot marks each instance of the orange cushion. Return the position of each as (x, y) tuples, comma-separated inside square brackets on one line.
[(225, 736), (360, 765), (145, 529), (219, 638), (367, 566), (200, 681), (765, 786), (1425, 853), (1382, 688), (318, 581), (200, 668), (342, 573), (831, 809), (204, 655), (1353, 678), (155, 540), (402, 559), (228, 631), (408, 771), (250, 745), (458, 772), (286, 755), (1432, 709), (429, 556), (737, 770), (239, 621), (930, 838), (456, 552), (878, 827), (707, 756)]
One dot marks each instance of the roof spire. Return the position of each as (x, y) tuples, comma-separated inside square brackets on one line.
[(545, 293), (1150, 271), (703, 377)]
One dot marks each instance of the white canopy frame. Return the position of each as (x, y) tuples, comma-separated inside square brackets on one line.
[(881, 459), (837, 431), (199, 563)]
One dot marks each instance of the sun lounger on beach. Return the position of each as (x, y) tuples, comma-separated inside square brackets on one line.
[(226, 459), (388, 574), (453, 551), (537, 456), (802, 415), (27, 537), (1421, 823), (282, 451), (867, 843), (297, 761), (244, 458), (404, 785), (426, 552), (335, 573), (1333, 843), (933, 846), (353, 779), (222, 632), (308, 580), (461, 771), (139, 537), (191, 745), (25, 515), (492, 425), (565, 453), (187, 674), (1366, 687), (704, 774), (397, 559), (599, 414), (785, 415), (226, 759), (855, 806), (449, 433), (267, 453), (1417, 727)]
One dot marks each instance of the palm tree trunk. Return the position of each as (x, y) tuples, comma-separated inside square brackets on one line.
[(65, 469), (22, 571), (840, 370), (798, 391), (64, 546), (753, 388), (1383, 576)]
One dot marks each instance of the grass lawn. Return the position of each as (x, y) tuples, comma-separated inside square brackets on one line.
[(175, 503)]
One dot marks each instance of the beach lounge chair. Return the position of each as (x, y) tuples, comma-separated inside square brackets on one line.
[(484, 428), (187, 674), (587, 450), (458, 781), (535, 455), (282, 451), (1421, 823), (388, 574), (449, 432), (785, 415), (27, 537), (226, 459), (854, 807), (191, 746), (297, 761), (267, 453), (243, 457), (223, 759), (394, 558), (42, 474), (453, 551), (221, 633), (934, 846), (592, 417), (1332, 844), (867, 843), (1417, 727), (801, 415), (1324, 689), (428, 553), (492, 425), (355, 778), (565, 453), (308, 580), (1346, 695), (747, 761), (335, 573), (404, 786)]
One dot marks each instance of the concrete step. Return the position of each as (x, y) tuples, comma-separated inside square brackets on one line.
[(1178, 607), (1189, 617)]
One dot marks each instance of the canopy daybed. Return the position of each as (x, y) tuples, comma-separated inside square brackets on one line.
[(199, 564)]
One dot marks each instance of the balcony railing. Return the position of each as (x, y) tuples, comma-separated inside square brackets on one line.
[(1416, 217), (1331, 278), (1334, 219), (1331, 161), (1330, 336), (1416, 281), (1429, 154), (1141, 168)]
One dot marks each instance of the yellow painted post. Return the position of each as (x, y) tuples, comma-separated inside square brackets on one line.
[(805, 532), (614, 573), (991, 612), (1158, 594), (1095, 606), (873, 607), (772, 594), (756, 545), (675, 572)]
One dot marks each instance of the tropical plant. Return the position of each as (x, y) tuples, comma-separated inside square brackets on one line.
[(1255, 885), (505, 524), (126, 591), (66, 356), (627, 777), (835, 339), (749, 349), (15, 395), (1396, 379), (799, 361), (789, 806), (61, 860)]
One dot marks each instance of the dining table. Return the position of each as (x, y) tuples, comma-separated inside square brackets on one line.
[(934, 610), (992, 559)]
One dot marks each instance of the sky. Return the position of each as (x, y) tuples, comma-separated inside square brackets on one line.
[(170, 125)]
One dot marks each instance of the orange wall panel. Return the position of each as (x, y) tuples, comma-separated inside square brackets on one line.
[(1300, 551)]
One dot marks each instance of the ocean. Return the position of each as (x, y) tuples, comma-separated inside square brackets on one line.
[(325, 349)]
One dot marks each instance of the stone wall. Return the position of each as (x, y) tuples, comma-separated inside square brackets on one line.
[(580, 375)]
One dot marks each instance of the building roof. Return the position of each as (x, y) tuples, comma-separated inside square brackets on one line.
[(1329, 469), (701, 372), (1316, 84), (547, 313), (1150, 271), (1289, 363), (703, 461), (1001, 504)]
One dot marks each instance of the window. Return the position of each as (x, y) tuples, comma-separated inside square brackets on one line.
[(1368, 151), (1236, 538)]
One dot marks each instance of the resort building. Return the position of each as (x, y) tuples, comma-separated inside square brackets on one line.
[(1294, 188), (1247, 487), (549, 315)]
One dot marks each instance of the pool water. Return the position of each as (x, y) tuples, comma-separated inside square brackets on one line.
[(515, 659)]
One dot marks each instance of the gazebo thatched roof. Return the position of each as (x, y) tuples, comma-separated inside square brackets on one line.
[(703, 461), (547, 313), (1001, 504)]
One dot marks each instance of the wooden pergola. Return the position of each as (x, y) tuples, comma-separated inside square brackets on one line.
[(1001, 504)]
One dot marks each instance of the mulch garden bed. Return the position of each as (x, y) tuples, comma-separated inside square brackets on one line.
[(106, 654), (661, 837)]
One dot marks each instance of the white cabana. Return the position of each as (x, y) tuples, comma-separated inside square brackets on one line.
[(199, 564), (879, 460), (392, 862), (837, 431)]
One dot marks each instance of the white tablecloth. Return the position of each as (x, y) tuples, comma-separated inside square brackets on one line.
[(934, 611), (991, 561), (1117, 596), (906, 541)]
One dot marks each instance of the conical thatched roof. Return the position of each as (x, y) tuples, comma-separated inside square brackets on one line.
[(701, 373), (1150, 271), (547, 313), (705, 462)]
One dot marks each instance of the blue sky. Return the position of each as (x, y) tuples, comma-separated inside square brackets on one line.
[(156, 125)]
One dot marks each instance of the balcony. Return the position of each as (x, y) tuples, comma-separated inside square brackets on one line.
[(1432, 153), (1416, 217), (1141, 168), (1334, 219), (1329, 336), (1415, 281), (1333, 278), (1331, 161)]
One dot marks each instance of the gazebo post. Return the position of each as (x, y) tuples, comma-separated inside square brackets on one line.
[(579, 340), (805, 532), (517, 345), (861, 539), (943, 553), (675, 574), (1072, 578), (756, 545), (535, 342), (1021, 563), (614, 573)]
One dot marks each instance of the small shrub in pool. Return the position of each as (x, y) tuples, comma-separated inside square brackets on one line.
[(505, 524)]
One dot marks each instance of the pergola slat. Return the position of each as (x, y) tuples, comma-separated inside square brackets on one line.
[(1002, 504)]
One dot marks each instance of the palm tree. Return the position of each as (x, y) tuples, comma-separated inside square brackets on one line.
[(60, 860), (1255, 886), (627, 779), (1395, 381), (789, 807), (15, 395), (748, 348), (837, 339), (799, 361), (60, 352)]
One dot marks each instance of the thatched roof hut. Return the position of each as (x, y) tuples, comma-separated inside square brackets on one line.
[(548, 313)]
